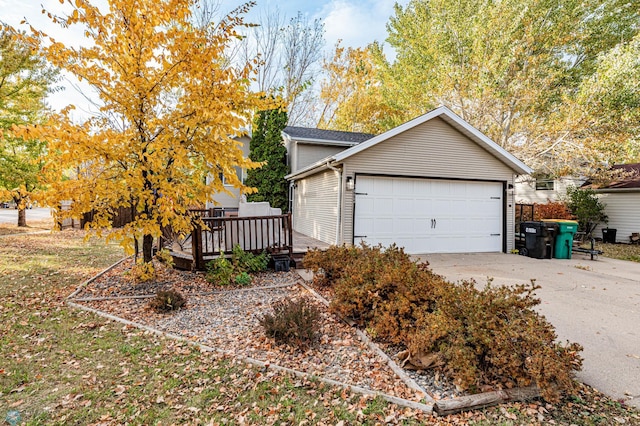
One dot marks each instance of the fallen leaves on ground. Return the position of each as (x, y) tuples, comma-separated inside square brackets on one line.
[(69, 367)]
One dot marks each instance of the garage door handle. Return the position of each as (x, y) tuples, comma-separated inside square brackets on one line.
[(434, 223), (359, 236), (495, 235)]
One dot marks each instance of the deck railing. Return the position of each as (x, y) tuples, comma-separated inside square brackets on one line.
[(254, 234)]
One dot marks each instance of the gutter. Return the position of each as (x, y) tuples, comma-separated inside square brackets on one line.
[(339, 218)]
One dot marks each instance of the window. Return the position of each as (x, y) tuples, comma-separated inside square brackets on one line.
[(544, 185), (242, 175)]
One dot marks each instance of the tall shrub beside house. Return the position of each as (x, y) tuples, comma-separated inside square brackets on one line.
[(266, 146), (586, 207)]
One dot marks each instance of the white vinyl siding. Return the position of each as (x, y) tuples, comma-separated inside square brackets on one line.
[(433, 149), (527, 193), (623, 209), (315, 206)]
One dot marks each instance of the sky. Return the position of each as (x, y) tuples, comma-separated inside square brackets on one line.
[(356, 22)]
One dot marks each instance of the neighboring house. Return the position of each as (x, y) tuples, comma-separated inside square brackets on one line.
[(531, 190), (622, 200), (432, 185), (231, 198)]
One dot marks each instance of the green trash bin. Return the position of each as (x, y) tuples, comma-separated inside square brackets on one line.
[(564, 238)]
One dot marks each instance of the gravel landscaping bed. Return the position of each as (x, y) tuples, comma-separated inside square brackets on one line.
[(228, 318)]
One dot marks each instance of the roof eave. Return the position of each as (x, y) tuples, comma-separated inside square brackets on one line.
[(311, 169)]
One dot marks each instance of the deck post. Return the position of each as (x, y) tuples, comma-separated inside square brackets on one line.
[(196, 246), (289, 230)]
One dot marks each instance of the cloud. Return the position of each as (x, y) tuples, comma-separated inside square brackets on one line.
[(357, 23)]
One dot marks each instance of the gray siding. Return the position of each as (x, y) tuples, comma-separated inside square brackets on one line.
[(623, 209), (307, 154), (315, 206), (432, 149)]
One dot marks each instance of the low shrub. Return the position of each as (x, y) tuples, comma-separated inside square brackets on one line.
[(245, 261), (167, 300), (478, 337), (142, 272), (328, 266), (293, 322), (243, 279), (219, 271), (493, 335), (223, 271), (165, 257), (552, 210)]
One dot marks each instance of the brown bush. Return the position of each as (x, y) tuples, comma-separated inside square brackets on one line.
[(552, 210), (481, 337), (167, 300), (293, 322), (328, 266)]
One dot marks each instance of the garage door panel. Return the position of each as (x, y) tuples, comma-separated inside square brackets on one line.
[(429, 216)]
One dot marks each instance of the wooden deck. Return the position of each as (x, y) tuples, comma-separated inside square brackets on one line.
[(254, 234), (301, 243)]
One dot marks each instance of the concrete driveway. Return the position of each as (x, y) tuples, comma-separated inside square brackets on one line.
[(595, 303)]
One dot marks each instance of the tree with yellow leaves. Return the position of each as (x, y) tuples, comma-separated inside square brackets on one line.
[(351, 94), (170, 105), (25, 81)]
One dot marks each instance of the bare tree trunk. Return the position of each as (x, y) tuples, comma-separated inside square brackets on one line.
[(22, 216), (147, 245)]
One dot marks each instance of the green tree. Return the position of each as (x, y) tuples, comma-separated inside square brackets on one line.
[(25, 80), (510, 68), (267, 147), (609, 101), (170, 105), (586, 207)]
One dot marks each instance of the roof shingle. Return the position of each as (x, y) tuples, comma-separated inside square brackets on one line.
[(326, 135)]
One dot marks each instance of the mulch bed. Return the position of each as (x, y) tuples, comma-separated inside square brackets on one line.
[(228, 318)]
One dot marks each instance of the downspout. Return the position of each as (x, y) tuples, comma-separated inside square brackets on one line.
[(339, 221)]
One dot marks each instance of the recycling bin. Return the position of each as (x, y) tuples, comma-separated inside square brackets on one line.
[(609, 235), (564, 238), (538, 239)]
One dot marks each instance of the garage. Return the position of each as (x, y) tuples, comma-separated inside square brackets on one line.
[(429, 215), (434, 184)]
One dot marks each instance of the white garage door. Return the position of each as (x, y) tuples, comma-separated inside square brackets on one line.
[(429, 215)]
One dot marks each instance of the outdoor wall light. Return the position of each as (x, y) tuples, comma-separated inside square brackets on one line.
[(350, 183)]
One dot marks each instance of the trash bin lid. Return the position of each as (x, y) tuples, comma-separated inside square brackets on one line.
[(565, 225)]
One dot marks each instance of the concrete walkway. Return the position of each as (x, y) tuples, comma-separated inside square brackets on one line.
[(595, 303)]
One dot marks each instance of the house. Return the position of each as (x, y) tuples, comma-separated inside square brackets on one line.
[(432, 185), (230, 200), (530, 189), (622, 202), (307, 146)]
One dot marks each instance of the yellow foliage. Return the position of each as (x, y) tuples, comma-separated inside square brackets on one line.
[(170, 108), (142, 272)]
